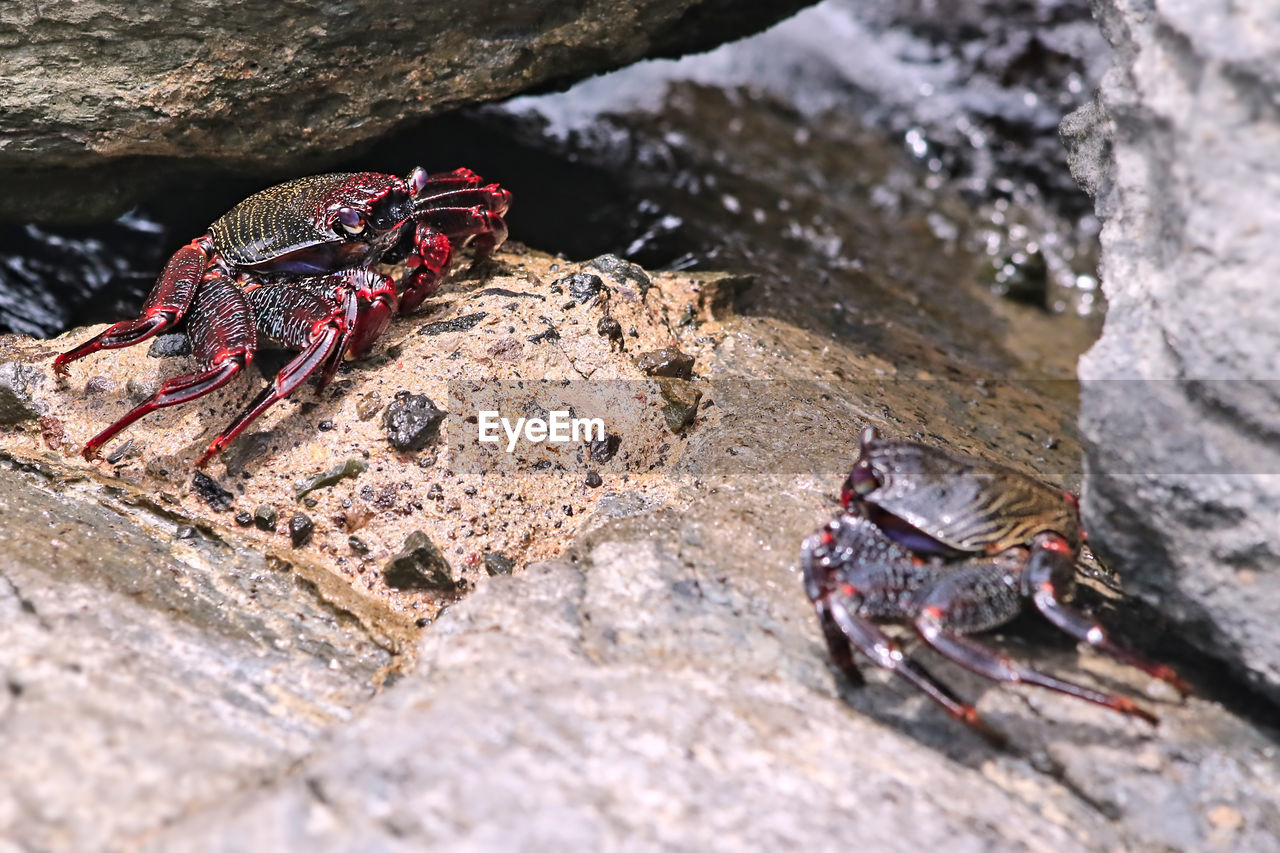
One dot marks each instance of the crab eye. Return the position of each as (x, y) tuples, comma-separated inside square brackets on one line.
[(417, 180), (350, 220)]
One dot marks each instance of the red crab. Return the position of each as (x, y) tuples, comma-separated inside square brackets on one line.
[(951, 546), (293, 263)]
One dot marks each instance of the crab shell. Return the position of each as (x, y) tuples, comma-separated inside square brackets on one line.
[(294, 227), (964, 504)]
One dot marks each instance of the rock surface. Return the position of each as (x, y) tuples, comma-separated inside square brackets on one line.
[(97, 92), (1180, 410), (663, 682)]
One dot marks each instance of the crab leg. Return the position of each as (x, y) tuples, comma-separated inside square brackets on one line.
[(427, 264), (222, 337), (1050, 560), (977, 598), (324, 337), (840, 597), (459, 223), (168, 301)]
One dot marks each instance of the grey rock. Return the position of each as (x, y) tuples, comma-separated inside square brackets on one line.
[(99, 92), (412, 421), (1180, 411), (419, 565), (143, 677), (17, 382)]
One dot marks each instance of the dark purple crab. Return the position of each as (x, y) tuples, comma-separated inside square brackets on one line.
[(950, 546), (294, 264)]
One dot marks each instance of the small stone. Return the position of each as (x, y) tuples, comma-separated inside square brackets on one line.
[(593, 480), (668, 361), (412, 422), (244, 518), (497, 564), (457, 324), (601, 450), (582, 286), (355, 543), (139, 389), (368, 405), (265, 517), (52, 431), (419, 565), (170, 345), (682, 403), (300, 529), (210, 492), (623, 272), (609, 328)]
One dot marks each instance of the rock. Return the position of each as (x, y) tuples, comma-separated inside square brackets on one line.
[(154, 659), (412, 422), (17, 382), (497, 564), (681, 407), (210, 492), (265, 517), (1179, 413), (166, 346), (669, 362), (300, 529), (582, 286), (419, 565), (99, 92), (623, 273)]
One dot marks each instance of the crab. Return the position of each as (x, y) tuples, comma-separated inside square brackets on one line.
[(295, 264), (951, 546)]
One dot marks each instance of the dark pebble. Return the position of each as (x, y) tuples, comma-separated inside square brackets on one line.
[(457, 324), (602, 450), (357, 544), (582, 286), (210, 492), (412, 422), (622, 272), (419, 565), (497, 564), (300, 529), (593, 480), (244, 518)]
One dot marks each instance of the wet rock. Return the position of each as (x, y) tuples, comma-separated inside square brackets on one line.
[(593, 480), (582, 286), (210, 492), (497, 564), (244, 518), (610, 328), (17, 384), (681, 407), (668, 361), (265, 517), (242, 101), (1178, 408), (300, 529), (166, 346), (348, 470), (412, 422), (419, 565)]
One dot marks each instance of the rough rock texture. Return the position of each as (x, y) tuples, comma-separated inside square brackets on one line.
[(1180, 407), (663, 682), (95, 91), (150, 668)]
